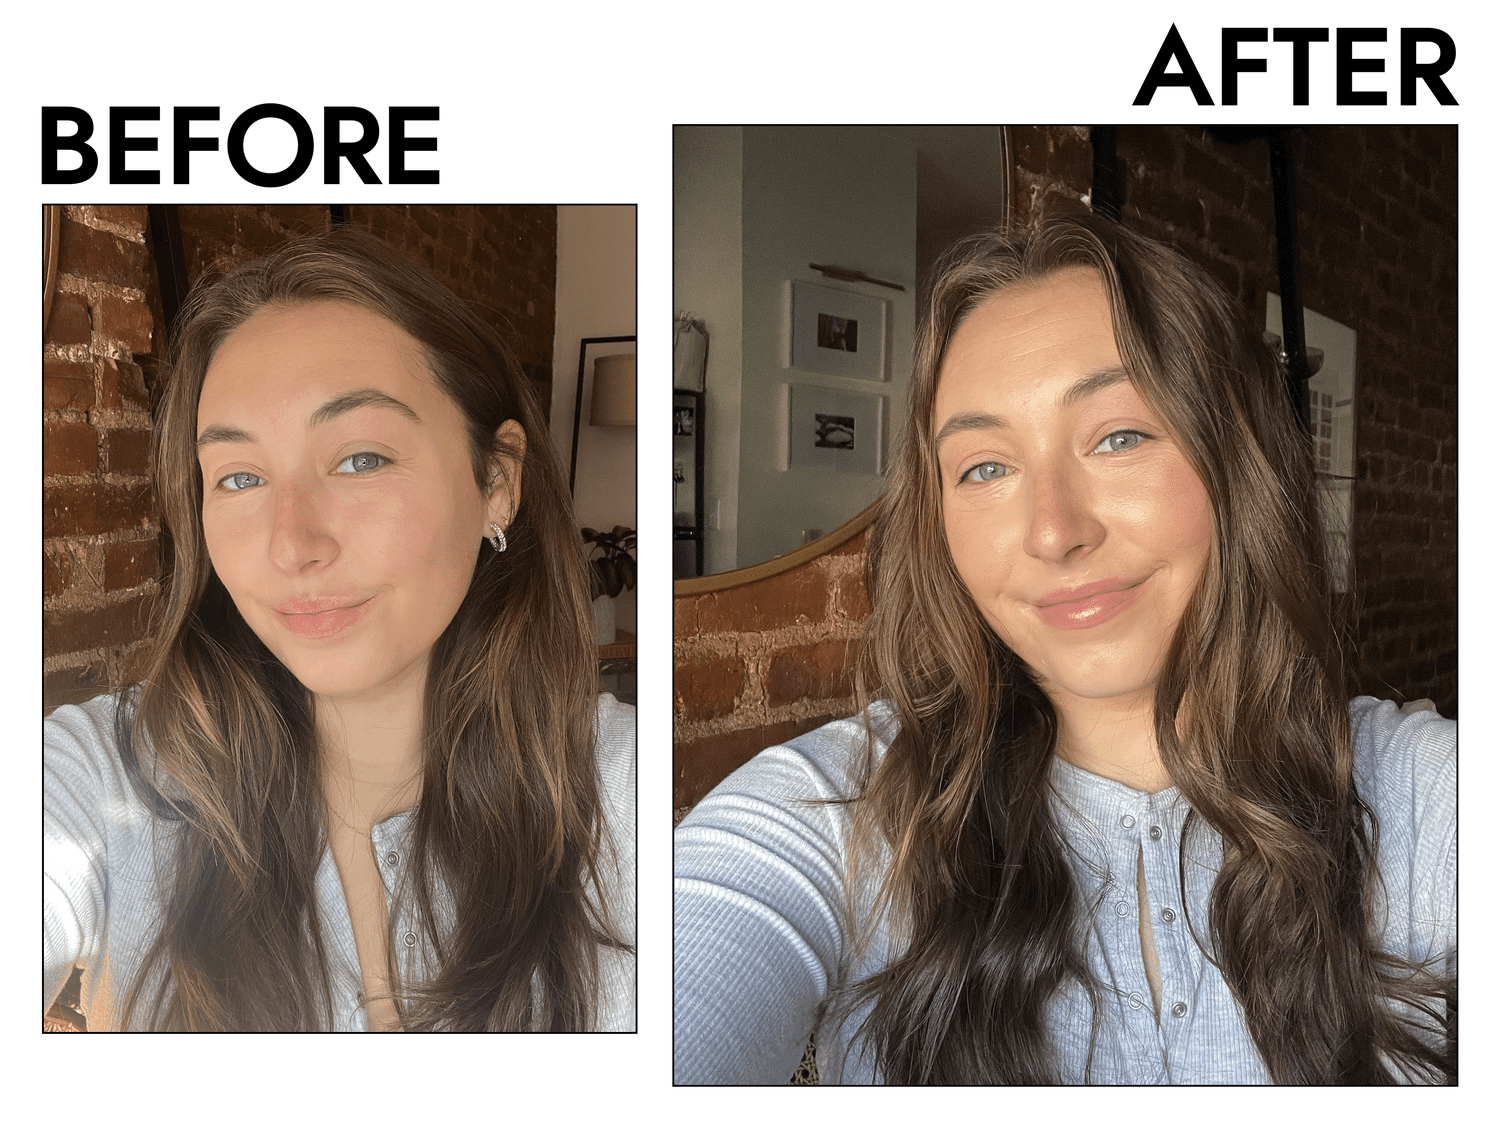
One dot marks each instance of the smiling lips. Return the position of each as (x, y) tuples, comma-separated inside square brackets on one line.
[(1086, 606), (319, 618)]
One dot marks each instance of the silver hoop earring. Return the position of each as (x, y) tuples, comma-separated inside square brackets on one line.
[(497, 540)]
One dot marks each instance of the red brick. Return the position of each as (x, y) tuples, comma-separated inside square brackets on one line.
[(1150, 145), (799, 595), (700, 765), (67, 386), (685, 616), (123, 384), (1205, 172), (428, 220), (129, 564), (851, 600), (131, 216), (69, 449), (93, 508), (101, 256), (708, 687), (69, 322), (75, 630), (57, 573), (129, 322), (855, 546), (824, 670), (127, 452), (73, 685)]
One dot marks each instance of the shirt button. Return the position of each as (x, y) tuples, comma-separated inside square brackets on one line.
[(410, 938), (1168, 914), (359, 998), (1127, 821), (1122, 909), (1179, 1009), (391, 857), (1155, 833), (1138, 1001)]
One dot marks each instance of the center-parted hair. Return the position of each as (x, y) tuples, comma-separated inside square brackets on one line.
[(954, 827), (507, 847)]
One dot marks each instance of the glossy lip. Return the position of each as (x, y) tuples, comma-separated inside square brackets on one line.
[(320, 617), (1084, 607)]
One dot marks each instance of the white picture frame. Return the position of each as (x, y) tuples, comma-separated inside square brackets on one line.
[(836, 332), (828, 428)]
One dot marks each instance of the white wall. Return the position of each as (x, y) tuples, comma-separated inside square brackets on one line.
[(706, 264), (595, 297), (835, 196)]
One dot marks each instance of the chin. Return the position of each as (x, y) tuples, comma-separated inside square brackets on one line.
[(1113, 679)]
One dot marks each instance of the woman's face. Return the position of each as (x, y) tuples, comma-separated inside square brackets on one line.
[(1074, 519), (339, 500)]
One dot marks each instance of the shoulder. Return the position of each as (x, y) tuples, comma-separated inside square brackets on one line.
[(827, 763), (1404, 757), (80, 745), (88, 797), (614, 755), (614, 743)]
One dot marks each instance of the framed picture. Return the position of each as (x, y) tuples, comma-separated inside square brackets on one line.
[(836, 332), (833, 429)]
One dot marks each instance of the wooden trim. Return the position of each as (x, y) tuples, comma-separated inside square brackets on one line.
[(713, 583), (51, 234)]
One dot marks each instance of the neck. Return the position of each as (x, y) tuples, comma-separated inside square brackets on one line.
[(1114, 738), (371, 746)]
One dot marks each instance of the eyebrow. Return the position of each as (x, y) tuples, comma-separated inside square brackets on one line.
[(333, 408), (980, 420)]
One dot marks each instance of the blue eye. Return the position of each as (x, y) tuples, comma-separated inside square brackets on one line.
[(1119, 441), (238, 482), (984, 472), (361, 463)]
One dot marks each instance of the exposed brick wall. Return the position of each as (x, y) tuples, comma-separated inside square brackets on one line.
[(1052, 166), (98, 522), (501, 260), (105, 336), (1377, 221), (1378, 224), (761, 663)]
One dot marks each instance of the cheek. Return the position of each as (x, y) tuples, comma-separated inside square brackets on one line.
[(983, 547), (230, 551), (415, 538), (1184, 519)]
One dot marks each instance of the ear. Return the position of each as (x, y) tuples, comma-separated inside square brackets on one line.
[(508, 453)]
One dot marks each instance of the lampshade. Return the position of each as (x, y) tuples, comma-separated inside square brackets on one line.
[(614, 391)]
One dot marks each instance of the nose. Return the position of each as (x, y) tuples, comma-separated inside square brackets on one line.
[(301, 537), (1062, 524)]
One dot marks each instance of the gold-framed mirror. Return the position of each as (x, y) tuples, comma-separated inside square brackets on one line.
[(763, 215)]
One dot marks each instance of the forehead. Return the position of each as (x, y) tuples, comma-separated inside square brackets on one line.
[(1059, 327), (281, 354)]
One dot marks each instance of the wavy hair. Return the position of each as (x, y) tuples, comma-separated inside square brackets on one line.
[(954, 829), (508, 844)]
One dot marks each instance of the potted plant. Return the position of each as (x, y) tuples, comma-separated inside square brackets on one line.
[(611, 573)]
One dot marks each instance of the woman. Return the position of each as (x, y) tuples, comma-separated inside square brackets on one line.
[(365, 780), (1111, 817)]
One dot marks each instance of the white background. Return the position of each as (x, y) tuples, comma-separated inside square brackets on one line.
[(574, 103)]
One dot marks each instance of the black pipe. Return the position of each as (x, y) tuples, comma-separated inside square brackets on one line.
[(1105, 194), (1294, 338), (171, 264)]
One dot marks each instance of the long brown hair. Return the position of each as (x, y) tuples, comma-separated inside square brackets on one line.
[(508, 832), (978, 886)]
